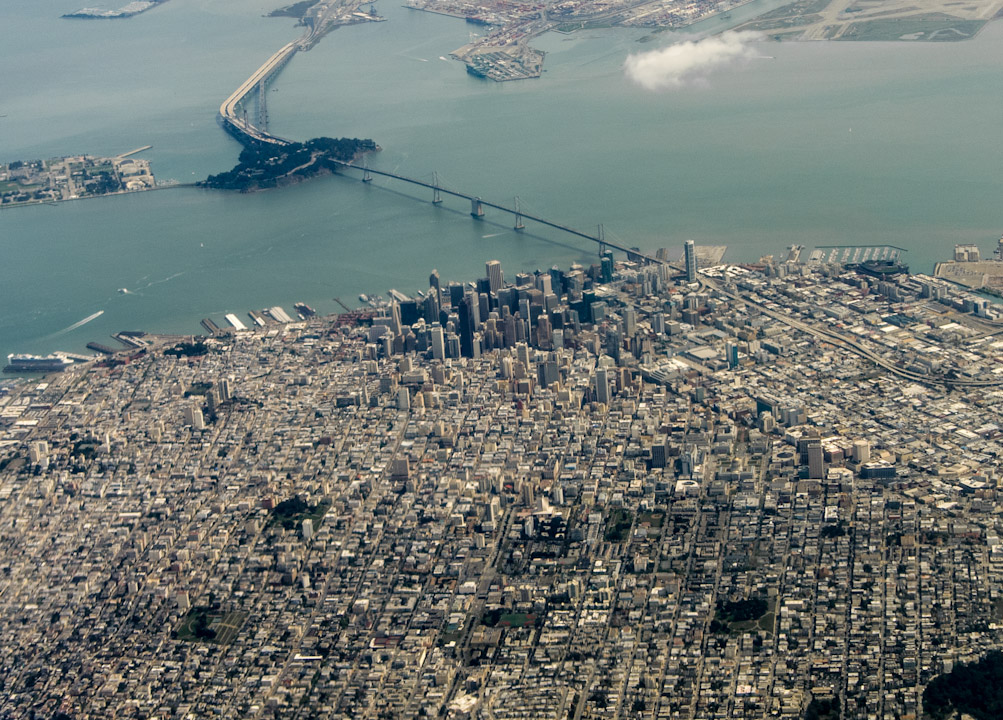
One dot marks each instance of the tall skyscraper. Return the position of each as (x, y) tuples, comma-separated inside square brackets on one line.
[(38, 451), (602, 386), (731, 352), (690, 257), (438, 343), (766, 422), (395, 317), (483, 308), (543, 332), (810, 452), (606, 265), (659, 453), (544, 283), (629, 321), (861, 451), (193, 417), (435, 283), (522, 352), (495, 278), (547, 372), (430, 307), (468, 322), (816, 466)]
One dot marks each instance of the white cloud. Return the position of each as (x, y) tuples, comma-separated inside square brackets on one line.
[(689, 62)]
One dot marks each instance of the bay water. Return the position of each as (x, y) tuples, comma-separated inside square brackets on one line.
[(809, 143)]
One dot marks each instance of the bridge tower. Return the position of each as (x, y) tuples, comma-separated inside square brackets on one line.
[(518, 216), (476, 208), (366, 175), (436, 195), (601, 239), (262, 106)]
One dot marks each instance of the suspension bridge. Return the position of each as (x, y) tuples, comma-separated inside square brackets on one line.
[(478, 204)]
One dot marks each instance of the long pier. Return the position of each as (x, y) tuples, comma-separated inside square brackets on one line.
[(478, 204), (133, 152)]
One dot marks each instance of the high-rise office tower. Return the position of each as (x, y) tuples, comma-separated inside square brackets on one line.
[(690, 257), (861, 451), (602, 386), (629, 321), (495, 278), (731, 352), (468, 323), (438, 343), (435, 283), (816, 466), (193, 417)]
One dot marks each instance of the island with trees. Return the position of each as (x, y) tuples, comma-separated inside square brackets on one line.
[(266, 166)]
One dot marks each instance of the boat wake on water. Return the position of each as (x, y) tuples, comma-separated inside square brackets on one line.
[(155, 282), (75, 325)]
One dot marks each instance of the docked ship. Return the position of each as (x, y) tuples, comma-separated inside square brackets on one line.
[(36, 363)]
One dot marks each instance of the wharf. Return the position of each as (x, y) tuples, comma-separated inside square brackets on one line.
[(98, 347), (133, 152)]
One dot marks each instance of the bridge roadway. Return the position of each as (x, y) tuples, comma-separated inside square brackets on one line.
[(517, 213), (228, 113), (228, 110)]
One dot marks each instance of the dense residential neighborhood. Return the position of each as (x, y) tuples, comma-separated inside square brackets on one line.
[(605, 492)]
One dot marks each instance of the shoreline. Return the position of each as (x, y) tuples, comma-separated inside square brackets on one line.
[(89, 197), (121, 14), (33, 203)]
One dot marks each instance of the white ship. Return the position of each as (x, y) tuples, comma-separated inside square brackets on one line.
[(37, 363)]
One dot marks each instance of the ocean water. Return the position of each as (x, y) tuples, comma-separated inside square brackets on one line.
[(811, 143)]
